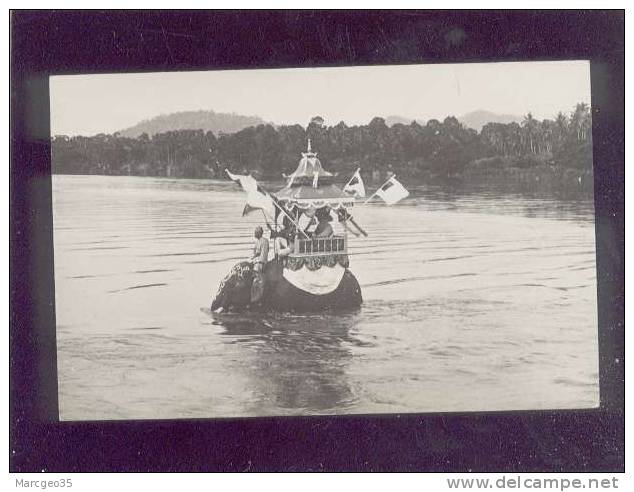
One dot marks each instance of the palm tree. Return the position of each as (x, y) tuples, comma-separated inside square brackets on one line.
[(580, 120), (495, 135), (530, 126), (561, 127), (549, 130)]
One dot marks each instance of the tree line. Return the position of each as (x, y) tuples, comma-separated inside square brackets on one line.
[(444, 149)]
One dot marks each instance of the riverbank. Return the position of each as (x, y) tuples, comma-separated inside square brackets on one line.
[(502, 173), (543, 177)]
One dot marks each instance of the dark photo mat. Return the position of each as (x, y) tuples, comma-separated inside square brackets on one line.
[(45, 43)]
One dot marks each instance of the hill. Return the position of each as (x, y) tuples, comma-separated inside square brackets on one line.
[(477, 119), (193, 120), (394, 119)]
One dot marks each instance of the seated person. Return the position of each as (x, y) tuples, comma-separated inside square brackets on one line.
[(283, 245), (305, 222), (323, 229)]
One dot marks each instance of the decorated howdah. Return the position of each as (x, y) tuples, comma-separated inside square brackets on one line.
[(303, 266)]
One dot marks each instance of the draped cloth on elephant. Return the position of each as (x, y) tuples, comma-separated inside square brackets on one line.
[(316, 262), (319, 282)]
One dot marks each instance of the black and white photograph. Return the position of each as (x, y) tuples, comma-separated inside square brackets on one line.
[(317, 240), (324, 241)]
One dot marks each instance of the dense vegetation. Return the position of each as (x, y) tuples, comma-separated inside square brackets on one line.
[(436, 149)]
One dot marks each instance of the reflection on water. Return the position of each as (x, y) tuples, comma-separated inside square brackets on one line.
[(297, 362), (474, 299)]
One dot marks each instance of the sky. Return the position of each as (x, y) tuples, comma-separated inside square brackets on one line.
[(105, 103)]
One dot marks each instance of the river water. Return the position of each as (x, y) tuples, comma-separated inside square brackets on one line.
[(473, 300)]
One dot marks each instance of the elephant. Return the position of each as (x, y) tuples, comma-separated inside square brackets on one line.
[(234, 292)]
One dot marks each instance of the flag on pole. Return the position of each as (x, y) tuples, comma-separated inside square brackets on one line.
[(355, 185), (257, 198), (392, 191)]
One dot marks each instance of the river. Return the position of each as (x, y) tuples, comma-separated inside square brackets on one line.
[(474, 300)]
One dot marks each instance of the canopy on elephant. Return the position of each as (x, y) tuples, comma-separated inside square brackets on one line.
[(308, 169), (308, 197)]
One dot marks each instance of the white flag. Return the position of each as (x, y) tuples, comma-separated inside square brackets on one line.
[(257, 198), (355, 185), (392, 191)]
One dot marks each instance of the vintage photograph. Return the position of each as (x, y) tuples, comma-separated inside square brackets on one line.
[(343, 240)]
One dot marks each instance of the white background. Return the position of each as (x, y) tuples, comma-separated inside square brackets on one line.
[(277, 482)]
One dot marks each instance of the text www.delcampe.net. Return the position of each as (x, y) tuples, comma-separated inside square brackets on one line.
[(518, 482)]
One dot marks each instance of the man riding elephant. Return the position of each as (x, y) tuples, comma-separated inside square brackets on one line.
[(259, 259)]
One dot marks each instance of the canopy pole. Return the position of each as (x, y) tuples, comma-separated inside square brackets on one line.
[(345, 227), (358, 226), (347, 217), (284, 212), (266, 219), (371, 197), (291, 219)]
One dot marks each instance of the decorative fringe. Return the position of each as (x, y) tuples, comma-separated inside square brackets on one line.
[(316, 262)]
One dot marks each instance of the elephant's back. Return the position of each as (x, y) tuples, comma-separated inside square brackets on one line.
[(281, 295), (284, 296)]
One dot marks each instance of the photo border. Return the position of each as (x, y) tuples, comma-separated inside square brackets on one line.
[(48, 43)]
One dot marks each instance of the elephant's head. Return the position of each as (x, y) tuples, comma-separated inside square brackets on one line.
[(235, 288)]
